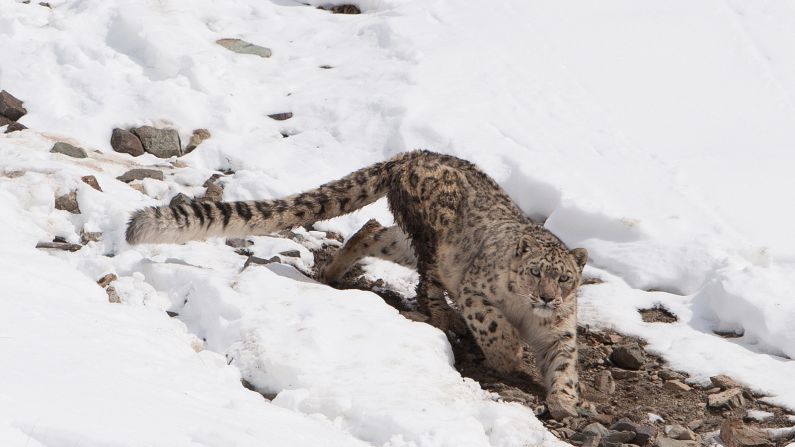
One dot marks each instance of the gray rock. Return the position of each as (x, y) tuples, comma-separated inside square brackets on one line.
[(643, 433), (342, 9), (126, 142), (211, 180), (695, 424), (618, 437), (680, 433), (68, 202), (238, 242), (732, 398), (724, 382), (675, 385), (734, 433), (180, 199), (596, 428), (162, 143), (214, 193), (620, 374), (91, 181), (281, 116), (59, 246), (90, 236), (242, 47), (605, 382), (291, 253), (628, 356), (198, 136), (253, 260), (667, 374), (113, 296), (15, 126), (668, 442), (140, 174), (68, 149), (11, 107)]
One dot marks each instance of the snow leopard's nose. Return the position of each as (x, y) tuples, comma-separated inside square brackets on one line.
[(546, 298)]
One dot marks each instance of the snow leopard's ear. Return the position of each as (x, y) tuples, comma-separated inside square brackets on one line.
[(580, 257)]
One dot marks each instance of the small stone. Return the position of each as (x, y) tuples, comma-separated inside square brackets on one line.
[(242, 47), (214, 193), (618, 437), (679, 432), (69, 150), (113, 296), (211, 180), (596, 428), (45, 4), (342, 9), (732, 398), (180, 199), (66, 246), (605, 382), (11, 107), (198, 136), (68, 202), (326, 67), (695, 424), (565, 433), (668, 442), (713, 390), (90, 236), (126, 142), (162, 143), (628, 356), (724, 382), (281, 116), (668, 374), (91, 181), (140, 174), (675, 385), (172, 314), (643, 433), (107, 279), (238, 242), (619, 374), (14, 126), (253, 260), (291, 253), (734, 433)]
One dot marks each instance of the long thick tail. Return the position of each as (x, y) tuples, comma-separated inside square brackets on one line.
[(201, 220)]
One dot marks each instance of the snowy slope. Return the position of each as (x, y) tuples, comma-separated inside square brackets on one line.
[(656, 136)]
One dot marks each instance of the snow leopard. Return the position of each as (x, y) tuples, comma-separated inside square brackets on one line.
[(509, 279)]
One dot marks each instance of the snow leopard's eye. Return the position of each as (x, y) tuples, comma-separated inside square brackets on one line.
[(564, 278), (535, 271)]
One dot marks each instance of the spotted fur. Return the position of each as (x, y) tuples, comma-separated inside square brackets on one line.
[(511, 280)]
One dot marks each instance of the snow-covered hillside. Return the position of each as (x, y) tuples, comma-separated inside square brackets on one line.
[(658, 136)]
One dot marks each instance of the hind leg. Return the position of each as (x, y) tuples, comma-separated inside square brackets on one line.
[(373, 239), (431, 301)]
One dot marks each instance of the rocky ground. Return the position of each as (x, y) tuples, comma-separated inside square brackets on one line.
[(629, 396)]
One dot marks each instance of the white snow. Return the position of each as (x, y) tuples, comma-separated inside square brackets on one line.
[(658, 136), (758, 415)]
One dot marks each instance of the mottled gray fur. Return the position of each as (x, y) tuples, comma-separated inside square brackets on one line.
[(509, 277)]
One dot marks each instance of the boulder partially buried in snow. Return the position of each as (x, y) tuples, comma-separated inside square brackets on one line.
[(11, 107), (69, 150), (126, 142), (162, 143)]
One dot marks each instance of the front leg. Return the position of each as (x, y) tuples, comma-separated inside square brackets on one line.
[(556, 354), (497, 338)]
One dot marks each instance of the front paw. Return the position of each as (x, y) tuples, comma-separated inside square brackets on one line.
[(561, 406)]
